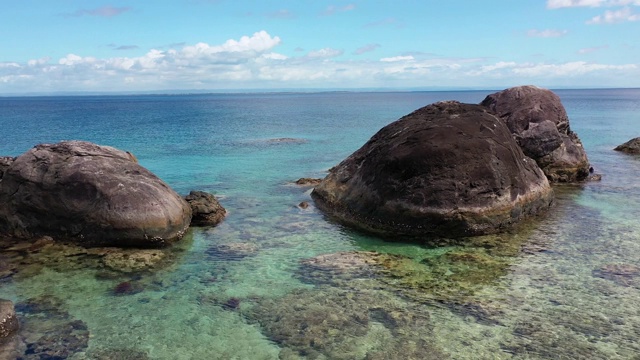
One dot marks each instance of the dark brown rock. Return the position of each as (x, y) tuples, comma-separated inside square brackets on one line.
[(308, 181), (540, 125), (206, 209), (630, 147), (5, 162), (91, 194), (303, 205), (447, 169), (8, 319)]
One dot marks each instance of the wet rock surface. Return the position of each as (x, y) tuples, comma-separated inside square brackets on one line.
[(539, 122), (308, 181), (205, 208), (630, 147), (8, 320), (90, 194), (445, 170)]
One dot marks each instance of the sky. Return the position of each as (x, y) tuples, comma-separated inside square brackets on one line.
[(52, 46)]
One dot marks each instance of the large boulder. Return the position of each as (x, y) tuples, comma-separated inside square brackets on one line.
[(92, 194), (630, 147), (540, 125), (447, 169), (206, 209), (8, 320)]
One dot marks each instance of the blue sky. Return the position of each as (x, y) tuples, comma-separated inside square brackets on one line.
[(133, 45)]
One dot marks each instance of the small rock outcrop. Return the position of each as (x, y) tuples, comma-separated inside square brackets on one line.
[(447, 169), (308, 181), (630, 147), (5, 162), (91, 194), (206, 209), (540, 125), (8, 320)]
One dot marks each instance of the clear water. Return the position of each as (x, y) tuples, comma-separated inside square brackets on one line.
[(563, 287)]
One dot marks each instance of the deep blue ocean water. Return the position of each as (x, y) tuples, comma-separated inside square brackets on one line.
[(570, 290)]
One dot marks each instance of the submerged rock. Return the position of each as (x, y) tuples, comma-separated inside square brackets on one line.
[(447, 169), (91, 194), (540, 125), (621, 274), (133, 260), (205, 208), (340, 267), (8, 319), (48, 331), (336, 324), (630, 147), (232, 251)]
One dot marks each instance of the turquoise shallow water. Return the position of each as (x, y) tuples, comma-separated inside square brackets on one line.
[(563, 287)]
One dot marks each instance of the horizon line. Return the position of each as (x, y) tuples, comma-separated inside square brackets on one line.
[(249, 91)]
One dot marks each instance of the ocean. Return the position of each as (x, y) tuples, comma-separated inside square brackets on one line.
[(565, 286)]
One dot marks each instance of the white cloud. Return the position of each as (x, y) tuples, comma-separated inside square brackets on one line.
[(557, 4), (548, 33), (324, 53), (397, 58), (252, 62), (492, 68), (542, 70), (612, 17), (274, 56)]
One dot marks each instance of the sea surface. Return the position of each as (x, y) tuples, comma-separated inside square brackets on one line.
[(279, 281)]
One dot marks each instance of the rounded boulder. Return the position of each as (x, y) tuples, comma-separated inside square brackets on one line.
[(446, 170), (539, 122), (91, 194)]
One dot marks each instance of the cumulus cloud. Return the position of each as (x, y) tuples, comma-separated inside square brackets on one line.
[(617, 16), (548, 33), (105, 11), (332, 9), (365, 49)]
